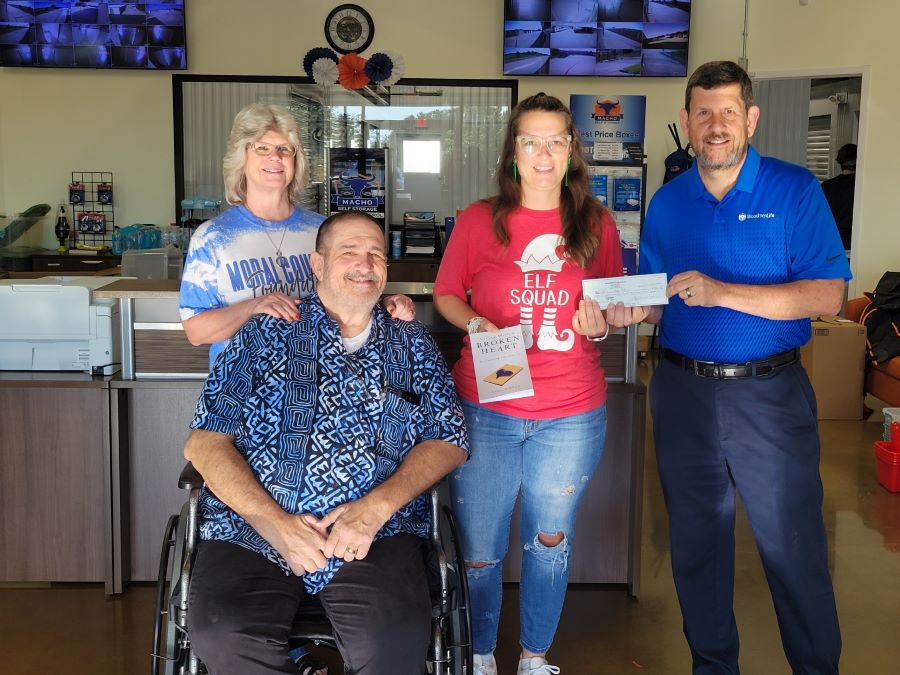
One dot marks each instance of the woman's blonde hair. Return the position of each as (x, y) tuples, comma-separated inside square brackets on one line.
[(251, 124)]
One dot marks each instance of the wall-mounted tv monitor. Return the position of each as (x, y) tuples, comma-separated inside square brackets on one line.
[(608, 38), (92, 34)]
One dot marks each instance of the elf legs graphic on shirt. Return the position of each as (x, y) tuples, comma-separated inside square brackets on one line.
[(540, 265)]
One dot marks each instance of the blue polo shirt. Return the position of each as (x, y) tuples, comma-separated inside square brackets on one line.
[(319, 426), (773, 227)]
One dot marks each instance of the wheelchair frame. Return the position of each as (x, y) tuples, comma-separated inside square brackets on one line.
[(450, 650)]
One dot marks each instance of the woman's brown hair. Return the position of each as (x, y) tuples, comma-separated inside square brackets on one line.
[(580, 211)]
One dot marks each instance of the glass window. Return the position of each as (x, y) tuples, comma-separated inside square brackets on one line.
[(442, 137), (421, 156)]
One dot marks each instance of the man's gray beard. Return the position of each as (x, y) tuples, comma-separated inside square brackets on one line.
[(731, 161)]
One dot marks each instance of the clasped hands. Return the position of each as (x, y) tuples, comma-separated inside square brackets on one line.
[(346, 532)]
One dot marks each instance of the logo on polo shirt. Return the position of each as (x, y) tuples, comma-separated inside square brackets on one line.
[(752, 216)]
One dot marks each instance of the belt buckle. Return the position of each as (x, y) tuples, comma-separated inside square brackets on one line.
[(706, 368)]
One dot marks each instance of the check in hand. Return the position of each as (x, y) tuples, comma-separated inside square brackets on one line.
[(620, 316), (695, 289), (588, 319)]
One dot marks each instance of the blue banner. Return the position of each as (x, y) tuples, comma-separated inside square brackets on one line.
[(611, 127), (357, 181)]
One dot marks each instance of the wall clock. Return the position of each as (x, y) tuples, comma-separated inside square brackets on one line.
[(349, 28)]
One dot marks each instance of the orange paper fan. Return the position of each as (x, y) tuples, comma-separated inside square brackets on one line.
[(352, 71)]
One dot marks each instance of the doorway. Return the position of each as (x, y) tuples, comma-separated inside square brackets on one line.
[(806, 118)]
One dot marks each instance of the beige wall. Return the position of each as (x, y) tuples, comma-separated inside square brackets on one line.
[(836, 35), (55, 121)]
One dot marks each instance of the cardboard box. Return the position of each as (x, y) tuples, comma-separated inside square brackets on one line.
[(835, 361), (643, 344)]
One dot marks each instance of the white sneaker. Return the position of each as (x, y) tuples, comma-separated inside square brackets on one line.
[(485, 665), (536, 665)]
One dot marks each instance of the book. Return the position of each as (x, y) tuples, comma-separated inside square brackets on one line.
[(501, 365)]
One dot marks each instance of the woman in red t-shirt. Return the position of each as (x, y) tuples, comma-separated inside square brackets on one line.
[(523, 255)]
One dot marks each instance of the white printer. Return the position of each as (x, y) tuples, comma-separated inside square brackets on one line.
[(55, 323)]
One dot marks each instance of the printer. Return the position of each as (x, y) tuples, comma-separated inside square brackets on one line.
[(55, 323)]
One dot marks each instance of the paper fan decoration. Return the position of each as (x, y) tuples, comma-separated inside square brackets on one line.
[(352, 71), (314, 55), (324, 71), (379, 67), (398, 70)]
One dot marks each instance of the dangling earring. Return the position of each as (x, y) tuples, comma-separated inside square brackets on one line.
[(566, 180), (515, 174)]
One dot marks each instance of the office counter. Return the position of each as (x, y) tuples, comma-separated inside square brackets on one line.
[(89, 465), (55, 488)]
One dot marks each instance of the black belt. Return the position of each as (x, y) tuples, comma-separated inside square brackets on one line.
[(728, 371)]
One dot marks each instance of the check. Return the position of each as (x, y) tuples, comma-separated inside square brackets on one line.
[(640, 290)]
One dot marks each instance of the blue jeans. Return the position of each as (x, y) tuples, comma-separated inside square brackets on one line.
[(550, 461)]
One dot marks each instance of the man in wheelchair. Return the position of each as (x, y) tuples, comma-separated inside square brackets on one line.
[(316, 440)]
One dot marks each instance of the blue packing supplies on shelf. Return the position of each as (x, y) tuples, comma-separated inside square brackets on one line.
[(137, 236)]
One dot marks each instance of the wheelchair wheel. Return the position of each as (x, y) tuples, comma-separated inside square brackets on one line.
[(171, 648), (452, 630)]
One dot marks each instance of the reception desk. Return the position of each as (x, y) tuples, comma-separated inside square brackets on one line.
[(56, 463), (90, 464)]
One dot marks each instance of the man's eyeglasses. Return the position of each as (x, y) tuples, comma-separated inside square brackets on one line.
[(531, 145), (266, 149)]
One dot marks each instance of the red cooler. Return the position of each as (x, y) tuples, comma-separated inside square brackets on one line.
[(887, 454)]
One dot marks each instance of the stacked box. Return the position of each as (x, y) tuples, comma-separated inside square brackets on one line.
[(835, 361)]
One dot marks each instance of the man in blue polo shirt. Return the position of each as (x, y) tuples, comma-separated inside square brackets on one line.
[(752, 252), (316, 439)]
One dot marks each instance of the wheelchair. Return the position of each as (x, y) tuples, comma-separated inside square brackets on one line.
[(450, 648)]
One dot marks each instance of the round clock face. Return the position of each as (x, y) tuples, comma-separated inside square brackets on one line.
[(349, 28)]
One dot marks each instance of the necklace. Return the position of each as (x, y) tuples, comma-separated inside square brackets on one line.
[(278, 257)]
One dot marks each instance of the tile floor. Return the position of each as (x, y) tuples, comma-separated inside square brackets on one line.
[(76, 630)]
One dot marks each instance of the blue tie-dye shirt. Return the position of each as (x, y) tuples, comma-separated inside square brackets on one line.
[(233, 258), (320, 426)]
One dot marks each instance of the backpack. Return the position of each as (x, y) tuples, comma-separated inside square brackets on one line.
[(679, 161), (881, 317)]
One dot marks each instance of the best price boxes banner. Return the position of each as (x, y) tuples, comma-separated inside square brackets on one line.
[(835, 360), (611, 127)]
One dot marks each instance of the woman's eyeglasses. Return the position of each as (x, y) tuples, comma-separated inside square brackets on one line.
[(531, 145), (266, 149)]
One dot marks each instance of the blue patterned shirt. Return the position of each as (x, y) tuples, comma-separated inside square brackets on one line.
[(320, 426)]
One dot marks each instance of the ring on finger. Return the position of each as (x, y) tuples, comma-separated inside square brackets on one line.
[(688, 292), (350, 550)]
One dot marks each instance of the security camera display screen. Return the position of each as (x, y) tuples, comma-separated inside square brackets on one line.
[(92, 34), (609, 38)]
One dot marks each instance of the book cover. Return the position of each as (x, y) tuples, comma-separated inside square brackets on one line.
[(501, 365)]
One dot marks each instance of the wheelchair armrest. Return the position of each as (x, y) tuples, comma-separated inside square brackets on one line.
[(190, 478)]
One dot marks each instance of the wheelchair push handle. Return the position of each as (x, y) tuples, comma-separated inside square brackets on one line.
[(190, 478)]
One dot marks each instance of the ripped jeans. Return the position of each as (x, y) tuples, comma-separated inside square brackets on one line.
[(550, 461)]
